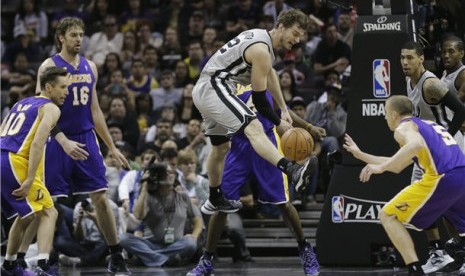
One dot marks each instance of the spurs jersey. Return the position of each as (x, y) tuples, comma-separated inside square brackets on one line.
[(449, 79), (76, 115), (21, 125), (421, 109), (228, 63)]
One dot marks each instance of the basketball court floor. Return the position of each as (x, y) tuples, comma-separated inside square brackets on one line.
[(263, 266)]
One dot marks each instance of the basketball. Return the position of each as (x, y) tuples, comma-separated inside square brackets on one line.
[(297, 144)]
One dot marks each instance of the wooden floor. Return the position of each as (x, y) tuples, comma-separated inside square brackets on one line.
[(284, 266)]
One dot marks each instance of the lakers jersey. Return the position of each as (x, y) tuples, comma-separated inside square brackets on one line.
[(21, 124), (421, 109), (76, 115), (441, 153), (228, 63), (449, 79), (246, 97)]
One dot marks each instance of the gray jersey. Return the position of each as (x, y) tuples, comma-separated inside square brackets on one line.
[(449, 80), (436, 113), (228, 63)]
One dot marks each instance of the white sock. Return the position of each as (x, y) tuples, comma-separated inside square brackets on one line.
[(10, 257), (43, 256)]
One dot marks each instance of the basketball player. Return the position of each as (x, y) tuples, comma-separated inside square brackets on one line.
[(241, 163), (73, 158), (439, 192), (431, 101), (247, 59), (23, 135)]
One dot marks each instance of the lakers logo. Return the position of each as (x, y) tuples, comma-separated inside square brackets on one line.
[(403, 207), (39, 195)]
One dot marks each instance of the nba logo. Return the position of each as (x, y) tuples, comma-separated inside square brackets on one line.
[(381, 78), (337, 209)]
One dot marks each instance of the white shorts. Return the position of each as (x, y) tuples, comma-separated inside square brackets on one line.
[(223, 112)]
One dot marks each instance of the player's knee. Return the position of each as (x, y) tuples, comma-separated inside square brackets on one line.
[(50, 212), (385, 217), (221, 150)]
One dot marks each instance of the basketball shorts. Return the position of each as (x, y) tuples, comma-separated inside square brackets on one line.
[(13, 173), (242, 163), (223, 112), (423, 202), (64, 175)]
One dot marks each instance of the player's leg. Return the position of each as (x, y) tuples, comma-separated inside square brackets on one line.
[(15, 236), (45, 234), (28, 236)]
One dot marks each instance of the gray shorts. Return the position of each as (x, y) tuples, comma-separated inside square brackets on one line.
[(223, 112)]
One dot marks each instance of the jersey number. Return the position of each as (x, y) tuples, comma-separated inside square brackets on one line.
[(230, 44), (13, 124), (446, 137), (81, 96)]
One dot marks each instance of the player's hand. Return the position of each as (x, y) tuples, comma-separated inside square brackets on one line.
[(125, 206), (368, 170), (317, 132), (75, 150), (283, 127), (285, 116), (350, 146), (22, 192), (119, 157)]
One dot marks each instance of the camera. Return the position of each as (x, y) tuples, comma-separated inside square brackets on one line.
[(157, 175), (86, 206)]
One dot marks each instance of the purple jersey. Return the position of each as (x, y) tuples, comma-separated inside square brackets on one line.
[(21, 125), (76, 115), (441, 154), (246, 97)]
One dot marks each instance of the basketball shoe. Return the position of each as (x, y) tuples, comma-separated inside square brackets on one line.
[(203, 268), (220, 204), (438, 259), (117, 265), (308, 260), (300, 174)]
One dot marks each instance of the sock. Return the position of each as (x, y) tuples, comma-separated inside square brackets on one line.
[(435, 244), (115, 249), (283, 165), (215, 192), (415, 268), (21, 255), (43, 263), (207, 255), (302, 243), (9, 265)]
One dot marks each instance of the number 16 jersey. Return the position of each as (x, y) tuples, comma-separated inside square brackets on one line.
[(229, 64), (76, 114)]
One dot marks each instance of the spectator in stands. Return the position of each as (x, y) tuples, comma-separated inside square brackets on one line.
[(181, 73), (33, 18), (112, 63), (208, 40), (194, 57), (188, 110), (140, 81), (288, 85), (120, 114), (87, 242), (332, 79), (170, 51), (195, 185), (345, 28), (165, 212), (167, 93), (146, 37), (133, 15), (21, 79), (130, 50), (217, 44), (298, 105), (97, 10), (23, 43), (144, 111), (117, 88), (113, 171), (213, 16), (242, 16), (151, 59), (331, 53), (169, 154), (169, 16), (313, 35), (104, 101), (194, 31), (104, 42), (290, 66), (70, 9), (273, 8)]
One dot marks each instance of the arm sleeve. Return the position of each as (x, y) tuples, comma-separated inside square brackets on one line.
[(263, 106)]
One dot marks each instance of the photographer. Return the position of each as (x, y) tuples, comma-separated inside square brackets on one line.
[(165, 212)]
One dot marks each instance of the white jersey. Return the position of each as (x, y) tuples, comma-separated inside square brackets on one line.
[(449, 79), (228, 63), (421, 109)]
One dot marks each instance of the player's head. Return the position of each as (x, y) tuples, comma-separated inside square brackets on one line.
[(452, 52), (397, 107), (54, 84), (69, 35), (292, 25), (411, 58)]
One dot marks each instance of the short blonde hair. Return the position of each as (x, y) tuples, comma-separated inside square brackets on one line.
[(186, 156)]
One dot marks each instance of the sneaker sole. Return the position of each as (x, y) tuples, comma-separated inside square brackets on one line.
[(443, 265), (307, 172), (190, 274), (209, 211)]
